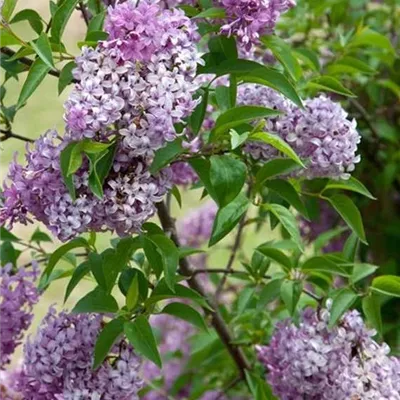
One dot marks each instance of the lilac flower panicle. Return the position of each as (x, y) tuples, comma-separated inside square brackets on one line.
[(315, 362), (183, 174), (18, 295), (133, 87), (58, 362), (320, 133), (250, 19)]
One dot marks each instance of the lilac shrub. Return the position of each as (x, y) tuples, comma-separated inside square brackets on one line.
[(314, 361), (18, 295)]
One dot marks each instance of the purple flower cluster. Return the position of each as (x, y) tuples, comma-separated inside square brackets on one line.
[(18, 294), (132, 88), (315, 362), (320, 133), (58, 362), (327, 220), (250, 19)]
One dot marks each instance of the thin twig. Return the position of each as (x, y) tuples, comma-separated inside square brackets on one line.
[(216, 271), (234, 251), (27, 61), (312, 295), (85, 13), (365, 116), (230, 386), (7, 134), (217, 321)]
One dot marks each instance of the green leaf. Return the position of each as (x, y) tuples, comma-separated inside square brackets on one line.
[(238, 115), (202, 168), (350, 213), (132, 296), (7, 236), (213, 12), (140, 335), (66, 76), (61, 251), (188, 251), (273, 168), (330, 84), (31, 16), (97, 268), (324, 238), (223, 47), (283, 54), (96, 23), (7, 9), (65, 160), (372, 309), (368, 37), (342, 301), (223, 97), (197, 117), (79, 272), (323, 264), (349, 65), (227, 176), (269, 293), (287, 191), (96, 301), (169, 256), (290, 294), (309, 57), (352, 185), (236, 139), (278, 143), (8, 254), (60, 19), (351, 247), (106, 339), (185, 312), (39, 236), (227, 218), (361, 271), (8, 38), (36, 74), (166, 154), (259, 388), (177, 194), (276, 255), (288, 221), (43, 49), (388, 285)]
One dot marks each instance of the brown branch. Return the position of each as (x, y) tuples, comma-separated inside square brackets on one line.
[(11, 135), (217, 321), (216, 271), (27, 61), (85, 13)]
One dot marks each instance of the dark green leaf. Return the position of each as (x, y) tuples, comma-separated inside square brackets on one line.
[(227, 177), (43, 49), (223, 97), (227, 218), (342, 301), (61, 251), (8, 254), (330, 84), (388, 285), (276, 255), (323, 264), (96, 301), (7, 236), (269, 293), (238, 115), (96, 262), (273, 168), (372, 309), (31, 16), (351, 247), (177, 194), (349, 212), (106, 340), (185, 312), (283, 53), (290, 294), (60, 19), (140, 335), (96, 23), (79, 272), (39, 236), (287, 192), (212, 12), (66, 76), (352, 185), (65, 160), (37, 73), (166, 154), (132, 296), (202, 168), (197, 117)]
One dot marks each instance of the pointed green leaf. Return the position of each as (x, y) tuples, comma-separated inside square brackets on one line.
[(61, 17), (79, 272), (352, 185), (132, 296), (185, 312), (388, 285), (96, 301), (342, 302), (290, 294), (66, 76), (372, 309), (330, 84), (166, 154), (273, 168), (43, 49)]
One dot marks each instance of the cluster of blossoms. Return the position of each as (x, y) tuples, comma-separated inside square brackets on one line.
[(327, 220), (250, 19), (18, 294), (132, 89), (316, 362), (58, 362), (320, 133)]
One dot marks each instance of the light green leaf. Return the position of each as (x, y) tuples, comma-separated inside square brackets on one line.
[(132, 296), (31, 16), (66, 76), (330, 84), (213, 12), (7, 9), (323, 264), (290, 294), (352, 185), (43, 49), (236, 139), (342, 302), (273, 168), (369, 38), (276, 255), (372, 309), (388, 285), (361, 271)]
